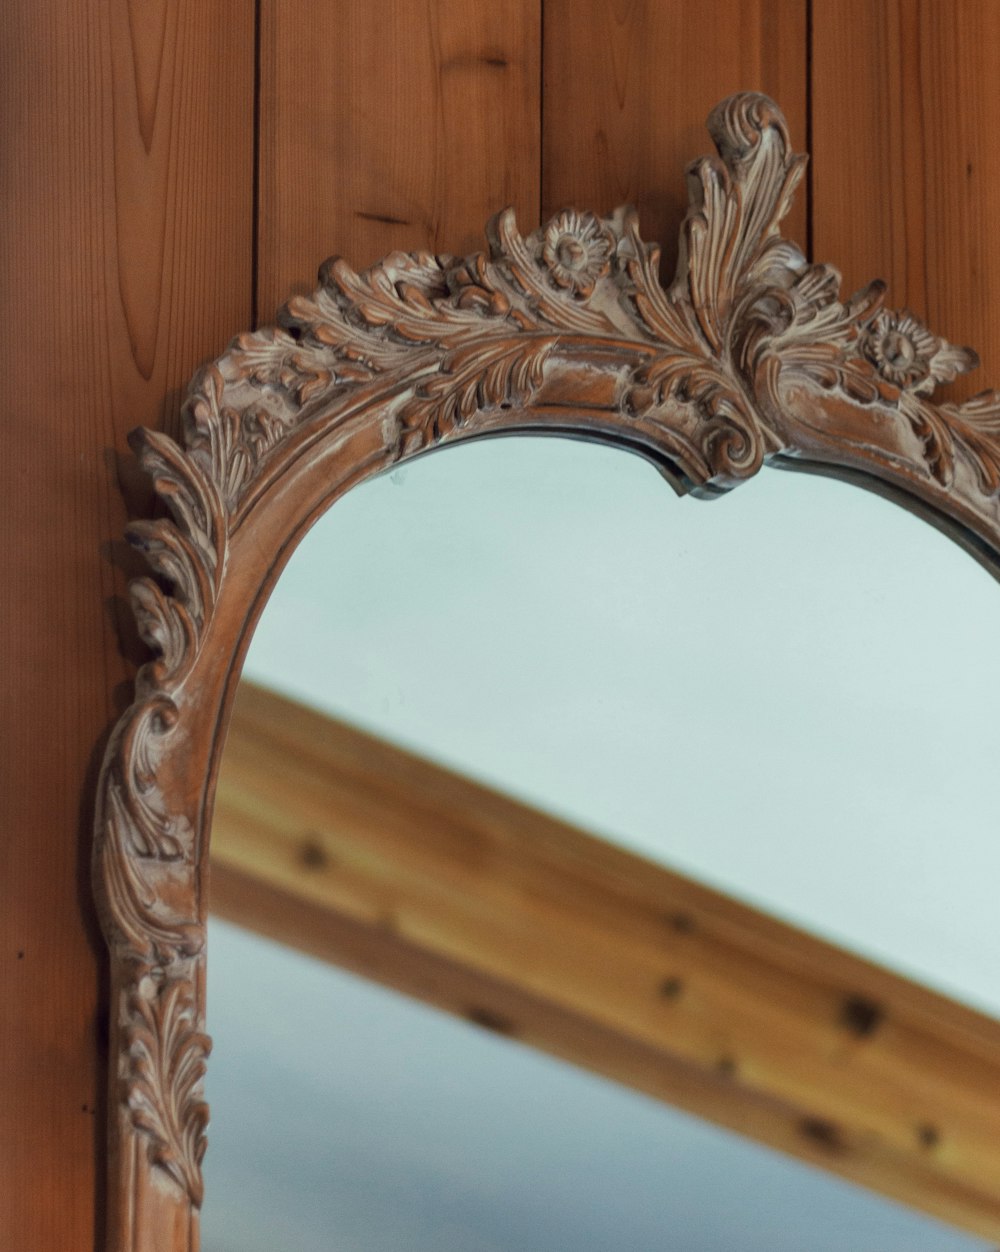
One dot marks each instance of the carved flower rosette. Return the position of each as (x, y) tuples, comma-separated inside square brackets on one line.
[(750, 354)]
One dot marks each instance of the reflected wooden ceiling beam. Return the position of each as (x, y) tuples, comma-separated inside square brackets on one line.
[(336, 843)]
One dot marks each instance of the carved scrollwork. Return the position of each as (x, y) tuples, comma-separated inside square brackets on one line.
[(706, 354), (749, 353), (144, 842), (166, 1053)]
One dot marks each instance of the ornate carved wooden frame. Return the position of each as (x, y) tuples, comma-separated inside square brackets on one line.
[(749, 356)]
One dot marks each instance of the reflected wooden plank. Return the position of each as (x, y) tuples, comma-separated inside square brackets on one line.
[(335, 842)]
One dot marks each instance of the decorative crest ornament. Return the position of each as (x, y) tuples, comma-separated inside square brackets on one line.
[(750, 355)]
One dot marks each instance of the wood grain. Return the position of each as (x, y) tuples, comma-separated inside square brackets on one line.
[(125, 178), (906, 169), (628, 85), (355, 851), (391, 125)]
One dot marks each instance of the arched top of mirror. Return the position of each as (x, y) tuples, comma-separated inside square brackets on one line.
[(782, 696), (749, 355)]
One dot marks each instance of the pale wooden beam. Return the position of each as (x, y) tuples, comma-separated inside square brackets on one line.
[(336, 843)]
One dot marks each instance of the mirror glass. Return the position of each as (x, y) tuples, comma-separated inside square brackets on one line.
[(785, 693)]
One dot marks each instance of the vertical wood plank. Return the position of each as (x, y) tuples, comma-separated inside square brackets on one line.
[(628, 85), (390, 125), (906, 167), (125, 192)]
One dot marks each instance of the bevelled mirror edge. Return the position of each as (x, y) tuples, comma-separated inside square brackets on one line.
[(749, 356)]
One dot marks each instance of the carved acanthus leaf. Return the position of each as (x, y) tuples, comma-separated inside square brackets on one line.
[(166, 1054), (472, 379), (731, 257), (228, 440), (189, 552), (143, 836), (971, 429), (737, 205)]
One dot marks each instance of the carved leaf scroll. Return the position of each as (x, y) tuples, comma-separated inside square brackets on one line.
[(749, 353), (167, 1052)]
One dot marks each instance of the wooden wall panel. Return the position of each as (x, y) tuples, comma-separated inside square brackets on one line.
[(628, 85), (391, 125), (125, 193), (906, 168)]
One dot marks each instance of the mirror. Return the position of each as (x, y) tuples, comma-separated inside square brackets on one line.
[(759, 716), (398, 1127), (749, 357)]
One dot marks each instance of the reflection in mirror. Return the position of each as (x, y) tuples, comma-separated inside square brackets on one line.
[(346, 1116), (785, 695)]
